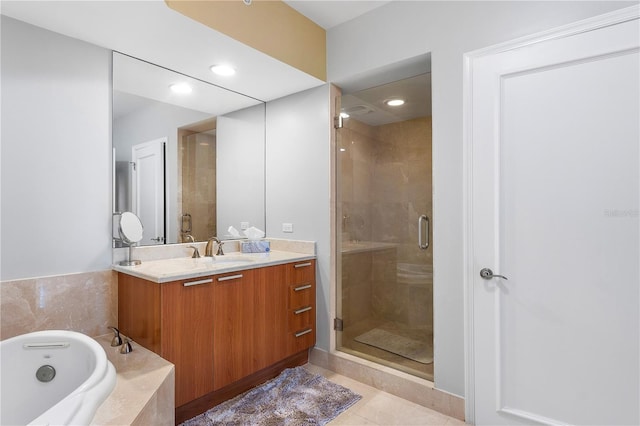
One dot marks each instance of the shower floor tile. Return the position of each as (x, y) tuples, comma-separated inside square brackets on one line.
[(371, 353)]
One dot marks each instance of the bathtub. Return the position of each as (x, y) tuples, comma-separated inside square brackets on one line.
[(53, 377)]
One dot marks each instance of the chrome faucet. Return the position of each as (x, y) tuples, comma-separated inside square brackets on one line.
[(196, 253), (208, 251)]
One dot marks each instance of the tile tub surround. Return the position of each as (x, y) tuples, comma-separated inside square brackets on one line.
[(86, 302), (386, 379), (144, 391)]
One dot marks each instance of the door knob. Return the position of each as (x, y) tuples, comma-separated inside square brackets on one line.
[(487, 274)]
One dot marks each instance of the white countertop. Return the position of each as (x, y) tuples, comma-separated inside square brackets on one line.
[(166, 270)]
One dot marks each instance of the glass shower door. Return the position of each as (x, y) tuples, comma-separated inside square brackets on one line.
[(384, 259)]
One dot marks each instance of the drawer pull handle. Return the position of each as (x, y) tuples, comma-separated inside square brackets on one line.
[(190, 283), (301, 310), (302, 265), (303, 332), (302, 287), (230, 277)]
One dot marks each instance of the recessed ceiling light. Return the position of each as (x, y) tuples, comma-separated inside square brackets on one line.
[(181, 88), (344, 115), (395, 102), (223, 70)]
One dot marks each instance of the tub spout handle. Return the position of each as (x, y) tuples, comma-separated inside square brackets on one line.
[(117, 340)]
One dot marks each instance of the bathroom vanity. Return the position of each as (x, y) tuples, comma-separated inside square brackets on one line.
[(226, 326)]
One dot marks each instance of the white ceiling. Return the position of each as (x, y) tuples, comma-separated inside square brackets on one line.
[(147, 81), (151, 31), (329, 13), (368, 105), (364, 97)]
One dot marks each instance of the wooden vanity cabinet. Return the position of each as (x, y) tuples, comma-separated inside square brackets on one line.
[(248, 321), (174, 320), (224, 333), (187, 330)]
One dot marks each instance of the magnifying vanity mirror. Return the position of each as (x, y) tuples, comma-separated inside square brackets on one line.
[(130, 230), (188, 156)]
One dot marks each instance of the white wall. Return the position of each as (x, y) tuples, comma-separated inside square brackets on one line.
[(447, 30), (240, 167), (56, 146), (299, 184)]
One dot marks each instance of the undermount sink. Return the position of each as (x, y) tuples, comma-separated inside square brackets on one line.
[(232, 259), (186, 264), (224, 259)]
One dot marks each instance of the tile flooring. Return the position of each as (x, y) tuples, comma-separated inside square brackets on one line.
[(381, 408)]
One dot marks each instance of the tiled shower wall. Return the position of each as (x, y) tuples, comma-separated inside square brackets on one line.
[(385, 182), (198, 190), (85, 302)]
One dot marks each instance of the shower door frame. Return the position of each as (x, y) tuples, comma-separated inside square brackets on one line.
[(336, 343)]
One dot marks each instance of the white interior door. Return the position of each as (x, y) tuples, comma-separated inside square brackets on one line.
[(553, 202), (149, 188)]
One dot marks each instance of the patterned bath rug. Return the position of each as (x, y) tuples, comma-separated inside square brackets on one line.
[(295, 397), (406, 347)]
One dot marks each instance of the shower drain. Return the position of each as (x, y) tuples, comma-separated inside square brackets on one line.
[(46, 373)]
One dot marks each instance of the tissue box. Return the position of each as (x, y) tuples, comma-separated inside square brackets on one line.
[(255, 246)]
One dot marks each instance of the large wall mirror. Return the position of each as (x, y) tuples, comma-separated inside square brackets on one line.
[(189, 156)]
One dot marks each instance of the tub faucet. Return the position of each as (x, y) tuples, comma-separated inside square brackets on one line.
[(208, 251), (126, 347), (117, 340)]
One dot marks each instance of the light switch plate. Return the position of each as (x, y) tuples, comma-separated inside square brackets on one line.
[(287, 227)]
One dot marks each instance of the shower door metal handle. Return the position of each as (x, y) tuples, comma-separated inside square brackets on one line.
[(422, 219), (186, 224)]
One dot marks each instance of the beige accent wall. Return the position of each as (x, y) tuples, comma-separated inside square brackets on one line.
[(272, 27)]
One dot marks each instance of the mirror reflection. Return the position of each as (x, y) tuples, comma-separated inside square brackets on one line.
[(188, 155)]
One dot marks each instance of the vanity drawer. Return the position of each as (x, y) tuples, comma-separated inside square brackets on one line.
[(301, 318), (302, 339), (301, 272), (301, 295), (239, 277)]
